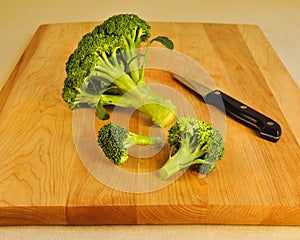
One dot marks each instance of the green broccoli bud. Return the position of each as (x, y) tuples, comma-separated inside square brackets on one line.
[(192, 142), (115, 141)]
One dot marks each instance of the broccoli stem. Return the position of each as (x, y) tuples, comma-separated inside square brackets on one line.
[(161, 111), (123, 81), (135, 139), (141, 97), (115, 100), (182, 159), (133, 65), (84, 97), (175, 163)]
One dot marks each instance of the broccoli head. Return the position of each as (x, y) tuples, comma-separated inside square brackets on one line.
[(115, 141), (192, 142), (106, 68)]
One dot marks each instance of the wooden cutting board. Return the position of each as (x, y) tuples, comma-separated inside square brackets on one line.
[(44, 181)]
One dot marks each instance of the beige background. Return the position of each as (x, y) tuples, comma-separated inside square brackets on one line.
[(279, 20)]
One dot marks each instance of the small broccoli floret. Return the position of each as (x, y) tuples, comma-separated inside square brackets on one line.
[(107, 69), (115, 141), (192, 142)]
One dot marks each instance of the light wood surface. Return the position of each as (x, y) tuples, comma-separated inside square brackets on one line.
[(43, 180)]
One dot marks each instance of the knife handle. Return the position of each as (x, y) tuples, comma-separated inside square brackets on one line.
[(268, 128)]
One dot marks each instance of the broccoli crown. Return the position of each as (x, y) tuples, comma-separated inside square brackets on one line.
[(192, 142), (128, 26), (214, 152), (112, 139), (92, 51), (107, 63), (118, 33), (115, 141)]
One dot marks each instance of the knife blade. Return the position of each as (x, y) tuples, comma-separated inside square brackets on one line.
[(266, 127)]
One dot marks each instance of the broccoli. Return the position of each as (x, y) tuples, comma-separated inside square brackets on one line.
[(115, 141), (192, 142), (107, 68)]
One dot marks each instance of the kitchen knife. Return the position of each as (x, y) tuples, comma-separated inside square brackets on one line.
[(267, 128)]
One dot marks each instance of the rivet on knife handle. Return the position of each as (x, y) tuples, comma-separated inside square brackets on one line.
[(268, 128)]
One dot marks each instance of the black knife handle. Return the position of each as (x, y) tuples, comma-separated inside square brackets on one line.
[(268, 128)]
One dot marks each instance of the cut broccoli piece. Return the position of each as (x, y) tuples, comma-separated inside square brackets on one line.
[(115, 141), (107, 69), (192, 142)]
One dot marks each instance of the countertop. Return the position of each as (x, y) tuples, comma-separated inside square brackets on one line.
[(279, 20)]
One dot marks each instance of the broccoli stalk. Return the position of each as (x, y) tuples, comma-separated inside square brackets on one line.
[(115, 141), (192, 142), (107, 69)]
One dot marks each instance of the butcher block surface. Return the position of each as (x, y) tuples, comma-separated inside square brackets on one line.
[(43, 180)]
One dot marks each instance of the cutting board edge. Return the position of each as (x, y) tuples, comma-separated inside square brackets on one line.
[(26, 55), (32, 215), (176, 214)]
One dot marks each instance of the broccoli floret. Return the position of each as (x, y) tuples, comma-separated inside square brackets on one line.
[(115, 141), (107, 69), (192, 142)]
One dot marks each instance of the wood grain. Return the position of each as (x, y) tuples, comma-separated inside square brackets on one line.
[(43, 179)]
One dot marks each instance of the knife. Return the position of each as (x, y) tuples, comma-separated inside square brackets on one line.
[(267, 128)]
